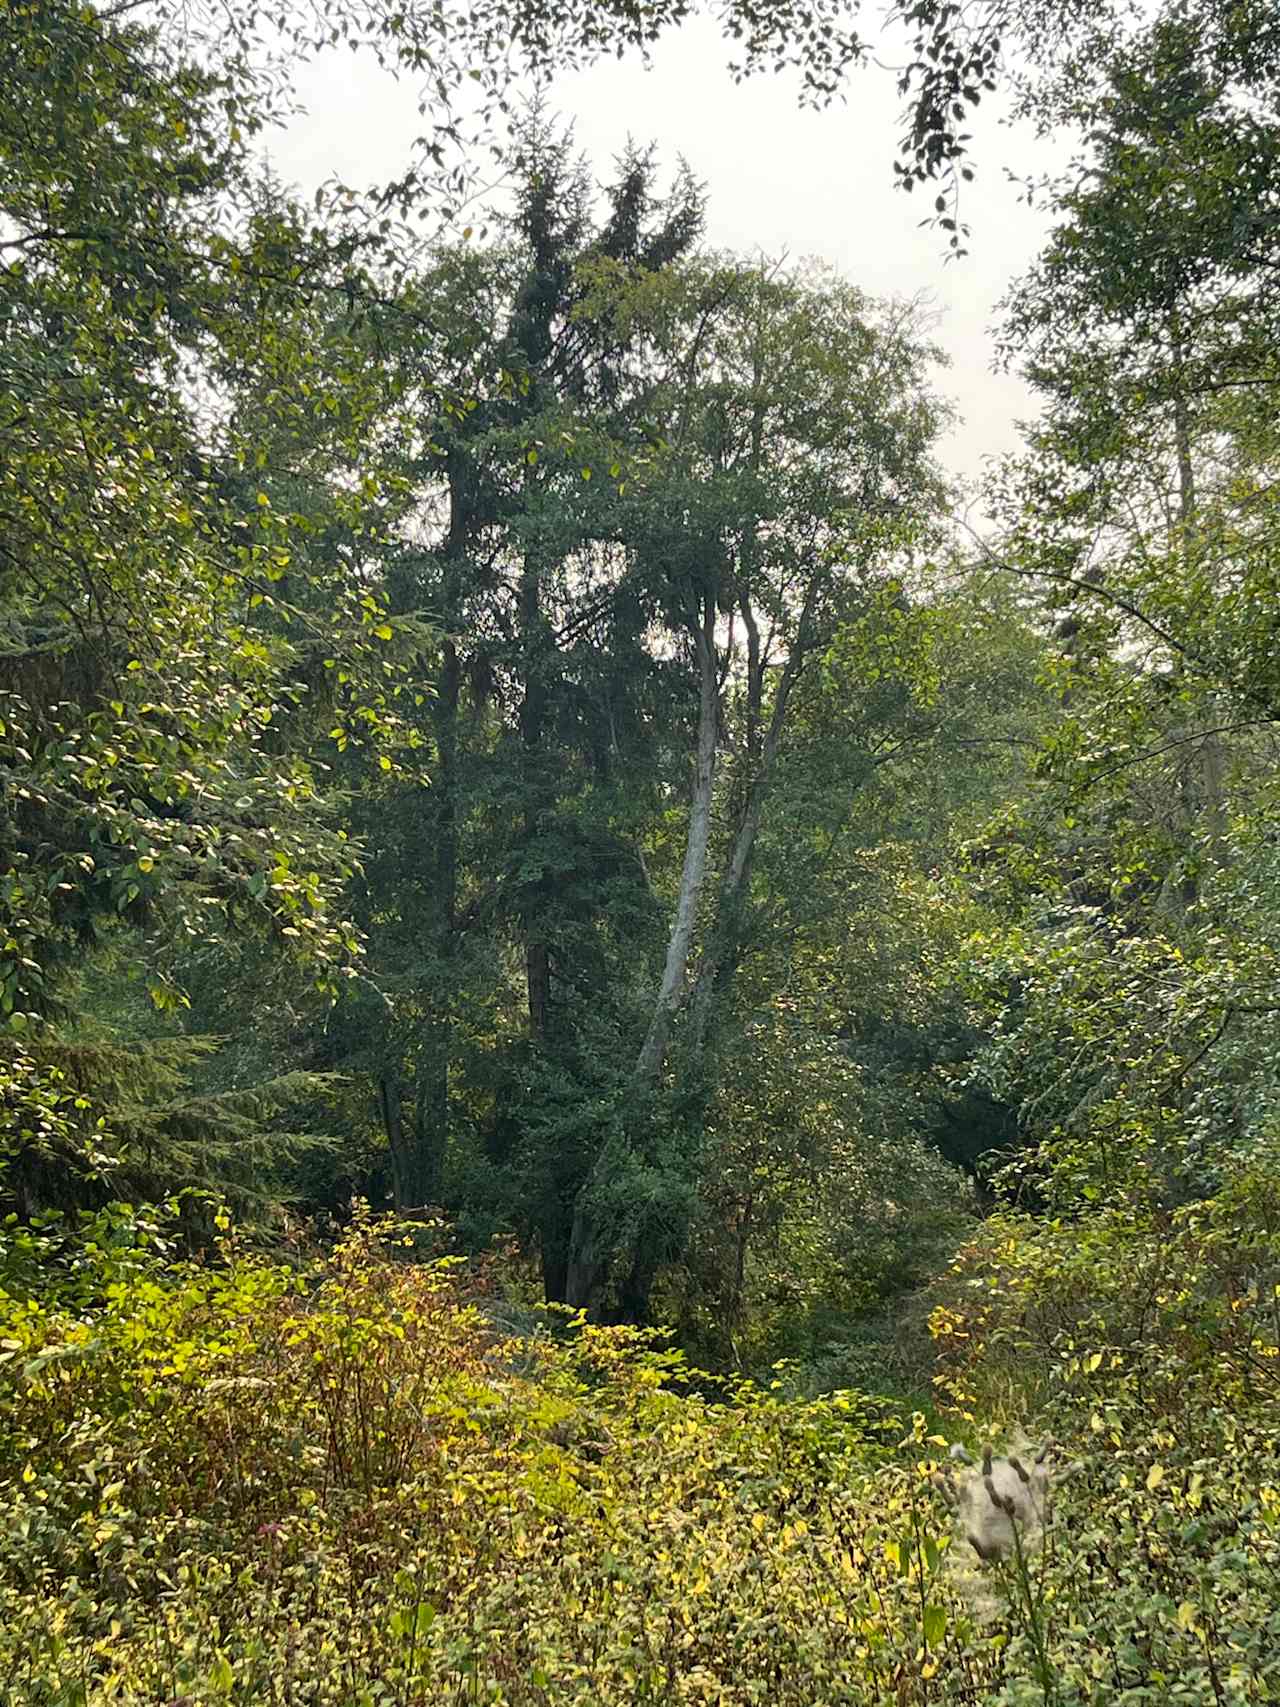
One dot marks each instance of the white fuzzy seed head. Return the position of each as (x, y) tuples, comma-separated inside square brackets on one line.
[(1002, 1506)]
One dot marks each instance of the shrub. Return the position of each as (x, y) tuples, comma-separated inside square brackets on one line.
[(1152, 1344), (341, 1483), (235, 1482)]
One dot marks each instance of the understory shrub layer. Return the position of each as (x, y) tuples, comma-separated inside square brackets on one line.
[(244, 1481)]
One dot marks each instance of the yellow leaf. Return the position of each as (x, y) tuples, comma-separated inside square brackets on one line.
[(1155, 1475)]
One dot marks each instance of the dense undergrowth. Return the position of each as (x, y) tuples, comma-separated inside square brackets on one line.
[(333, 1481)]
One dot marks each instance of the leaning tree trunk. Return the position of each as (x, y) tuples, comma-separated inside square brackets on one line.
[(588, 1265), (654, 1048), (725, 942)]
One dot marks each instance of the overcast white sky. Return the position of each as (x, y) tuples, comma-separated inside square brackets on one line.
[(778, 177)]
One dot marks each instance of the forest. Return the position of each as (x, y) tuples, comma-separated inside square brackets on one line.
[(639, 1063)]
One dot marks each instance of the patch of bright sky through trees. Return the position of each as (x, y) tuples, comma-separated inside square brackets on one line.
[(781, 179)]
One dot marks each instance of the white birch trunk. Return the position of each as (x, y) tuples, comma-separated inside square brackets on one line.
[(654, 1048)]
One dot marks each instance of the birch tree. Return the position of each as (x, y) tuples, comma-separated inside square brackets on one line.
[(800, 418)]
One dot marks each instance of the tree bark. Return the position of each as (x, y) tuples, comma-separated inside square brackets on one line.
[(441, 857), (654, 1048), (1182, 448), (537, 954), (429, 1128), (393, 1125), (586, 1270), (724, 943), (1209, 763)]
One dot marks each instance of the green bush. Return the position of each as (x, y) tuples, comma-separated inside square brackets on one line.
[(339, 1483), (1152, 1344), (236, 1482)]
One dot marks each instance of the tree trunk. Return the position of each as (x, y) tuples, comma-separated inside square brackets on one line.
[(654, 1048), (587, 1269), (555, 1272), (636, 1288), (440, 856), (435, 1060), (725, 941), (1182, 447), (533, 710), (392, 1118), (1204, 785), (431, 1112)]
